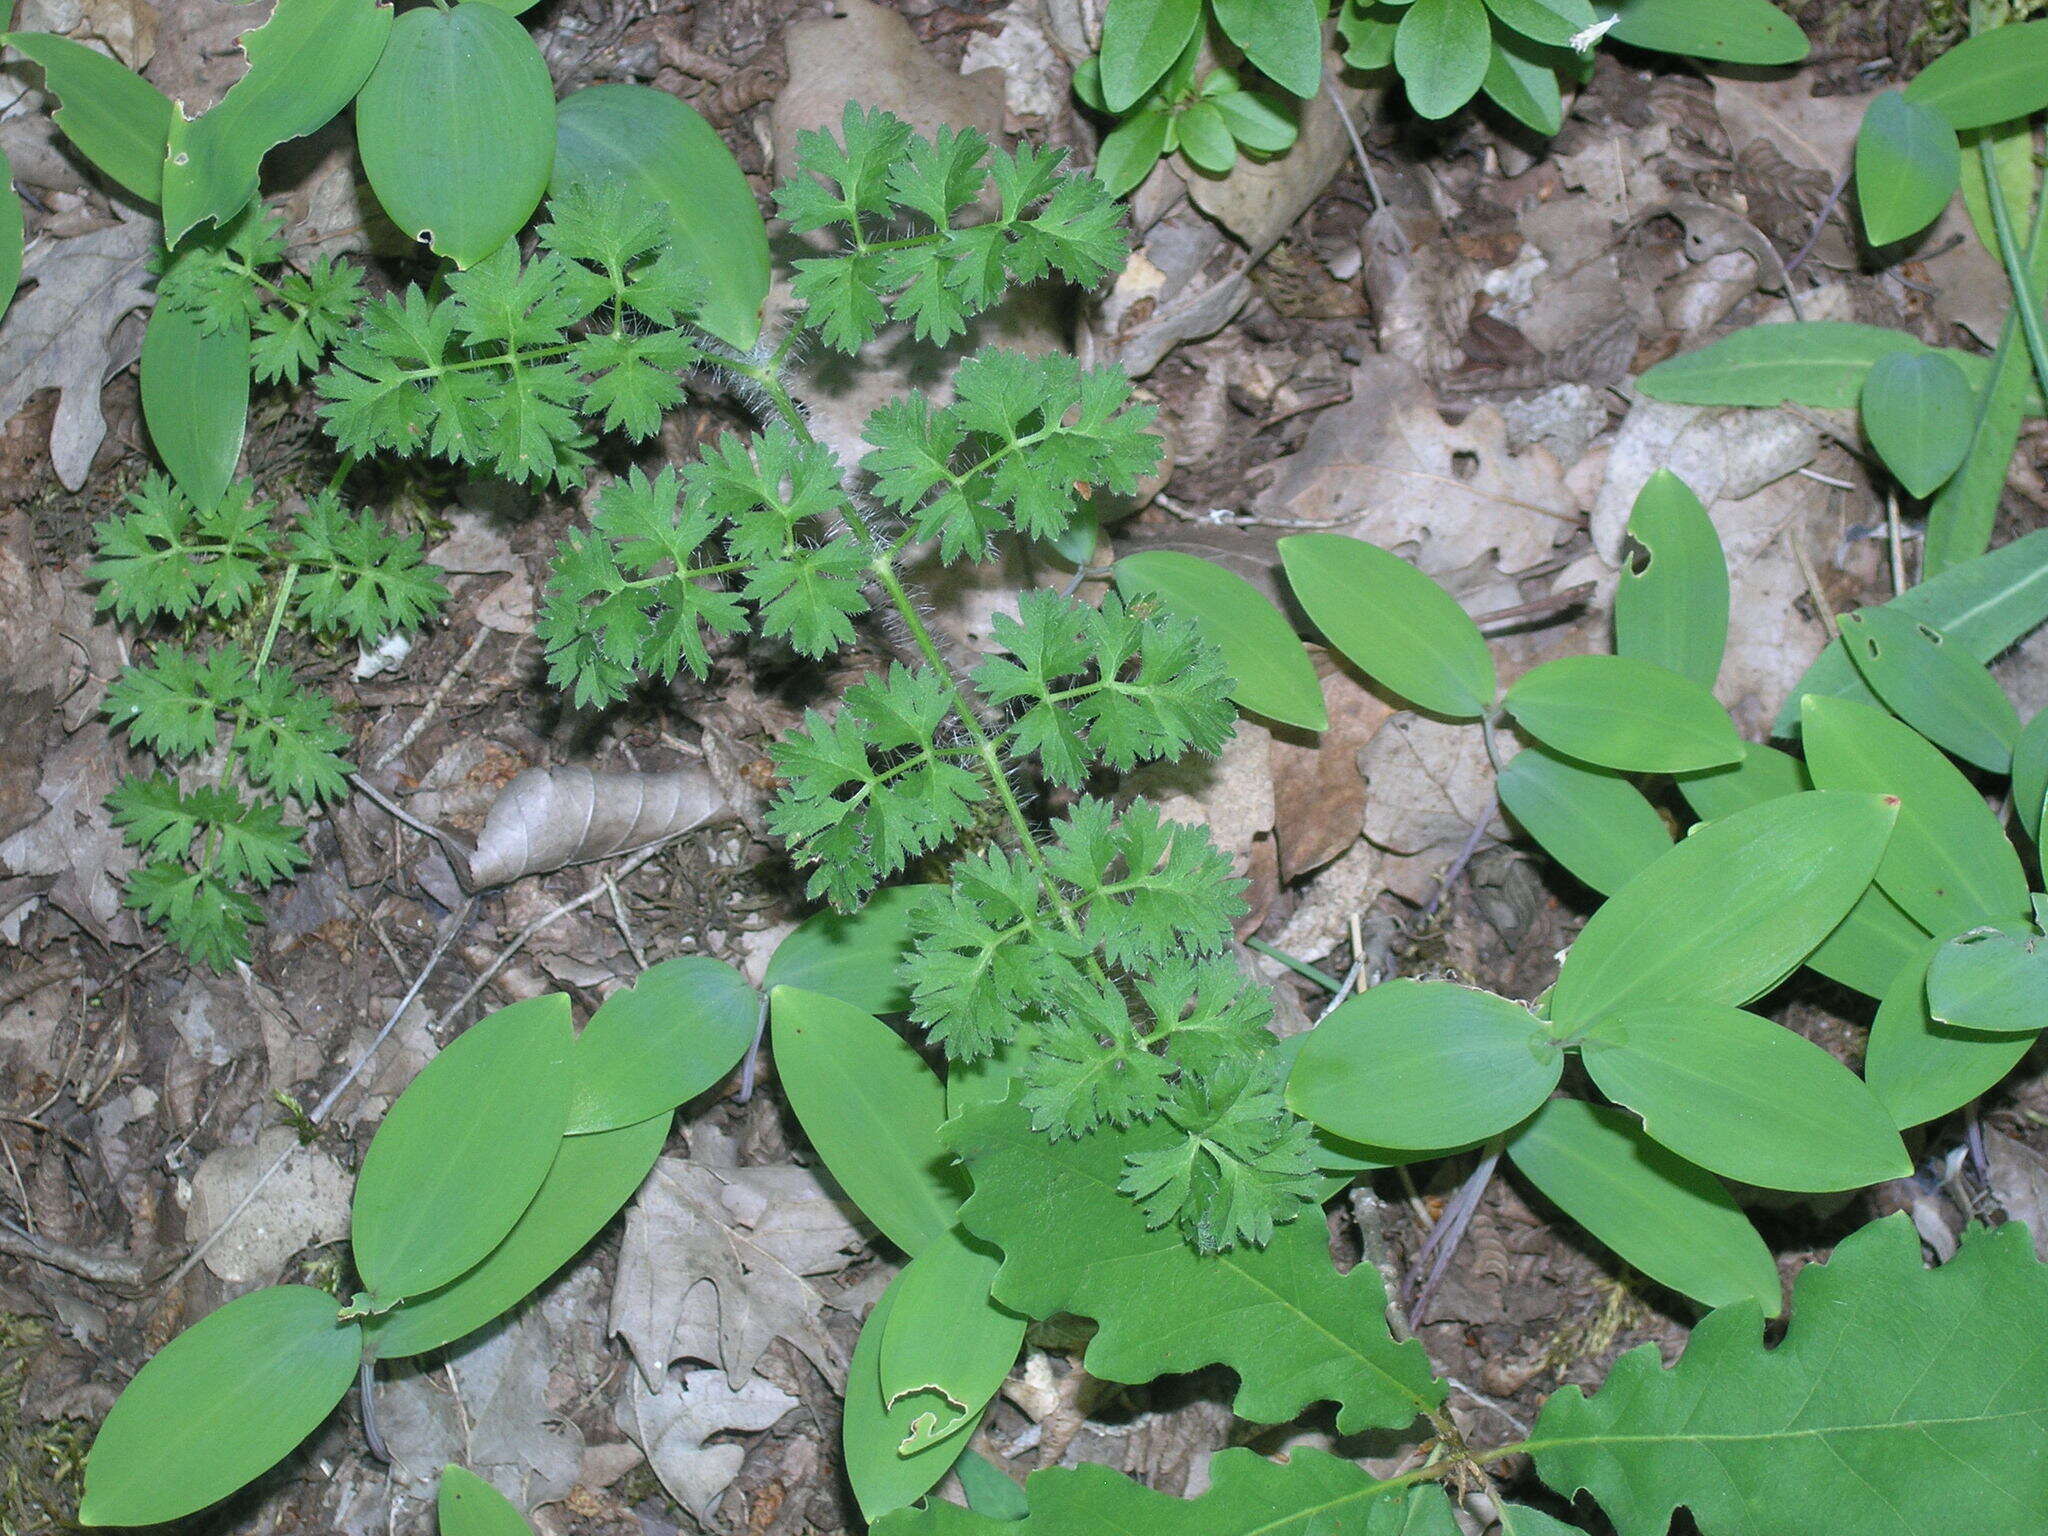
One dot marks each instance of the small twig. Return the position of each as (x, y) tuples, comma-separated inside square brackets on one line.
[(1449, 1231), (366, 1399), (37, 977), (1820, 222), (105, 1269), (625, 924), (1372, 183), (433, 704), (1897, 542), (1542, 608), (1457, 865), (392, 808)]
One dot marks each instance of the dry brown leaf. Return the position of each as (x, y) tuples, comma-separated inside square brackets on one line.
[(671, 1426), (1318, 790), (2019, 1178), (548, 818), (1427, 783)]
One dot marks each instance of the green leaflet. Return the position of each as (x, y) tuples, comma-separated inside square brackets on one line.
[(1670, 1219), (1282, 37), (1423, 1064), (1992, 78), (1764, 773), (1367, 28), (1948, 865), (871, 1431), (1726, 914), (2030, 774), (1140, 41), (949, 1344), (1917, 410), (1552, 22), (591, 1178), (118, 120), (1729, 31), (1934, 685), (1908, 165), (221, 1403), (1522, 83), (456, 126), (469, 1506), (1819, 363), (1205, 138), (1273, 676), (195, 398), (463, 1150), (854, 957), (1623, 712), (1990, 982), (675, 1032), (872, 1108), (1870, 946), (1395, 624), (667, 154), (1920, 1070), (1596, 824), (1744, 1098), (990, 1490), (1671, 605), (1897, 1404), (1983, 604), (1441, 50), (1293, 1329), (1130, 150), (1309, 1494), (305, 64)]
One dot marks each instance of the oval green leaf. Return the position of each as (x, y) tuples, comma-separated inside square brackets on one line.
[(1920, 1069), (659, 1043), (2030, 774), (871, 1432), (1949, 865), (219, 1405), (1870, 946), (1909, 163), (872, 1109), (1990, 982), (1551, 22), (1595, 823), (1140, 41), (949, 1343), (1392, 622), (1623, 712), (1423, 1064), (591, 1178), (1272, 673), (1257, 120), (456, 126), (1934, 685), (1727, 31), (666, 153), (1764, 773), (1205, 138), (118, 120), (1282, 37), (1727, 913), (1671, 1220), (305, 64), (1671, 606), (1818, 363), (195, 398), (1368, 28), (469, 1506), (1441, 50), (1130, 151), (856, 957), (1917, 409), (462, 1152), (1992, 78), (1524, 85), (1745, 1098)]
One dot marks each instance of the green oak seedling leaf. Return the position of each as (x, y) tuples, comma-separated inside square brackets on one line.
[(1744, 1098), (469, 1506), (1727, 913), (1916, 410), (1392, 622), (1441, 50), (1901, 1401), (306, 62), (1140, 41), (1271, 673), (1423, 1064), (1921, 1069), (1309, 1493), (456, 127), (1623, 712), (1293, 1329), (1284, 38), (949, 1342), (118, 120), (1990, 982), (1908, 165), (1595, 823), (589, 1182), (872, 1108), (856, 957), (220, 1404), (195, 398), (1727, 31), (666, 154), (1995, 77), (1671, 604), (872, 1433), (1948, 865), (674, 1033), (463, 1150), (1934, 685), (1672, 1220)]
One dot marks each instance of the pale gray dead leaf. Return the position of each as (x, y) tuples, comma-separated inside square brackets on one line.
[(1427, 783), (672, 1426), (304, 1203), (64, 332), (1260, 199), (74, 842), (2019, 1178), (549, 818), (714, 1262)]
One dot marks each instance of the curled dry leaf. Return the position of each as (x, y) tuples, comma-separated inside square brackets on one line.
[(549, 818)]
